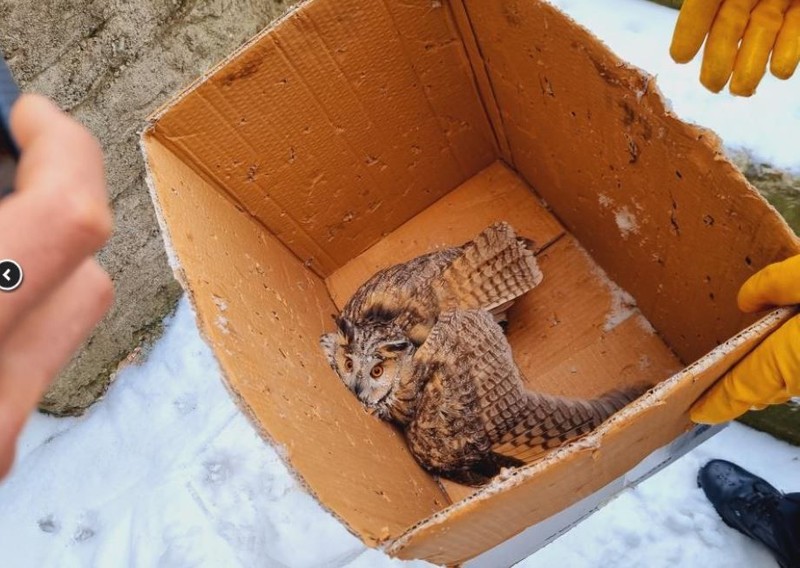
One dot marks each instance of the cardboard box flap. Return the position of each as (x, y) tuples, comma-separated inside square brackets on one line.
[(341, 111), (644, 192), (263, 312)]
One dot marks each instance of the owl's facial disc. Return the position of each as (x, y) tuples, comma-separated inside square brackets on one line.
[(369, 360), (378, 370)]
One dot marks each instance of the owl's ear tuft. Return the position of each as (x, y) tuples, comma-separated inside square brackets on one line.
[(329, 343), (396, 346), (346, 327)]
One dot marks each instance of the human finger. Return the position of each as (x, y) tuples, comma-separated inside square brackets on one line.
[(44, 342), (777, 284), (59, 214)]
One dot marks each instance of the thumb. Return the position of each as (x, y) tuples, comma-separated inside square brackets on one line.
[(770, 374)]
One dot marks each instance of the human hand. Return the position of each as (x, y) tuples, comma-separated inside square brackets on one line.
[(764, 27), (52, 224), (770, 374)]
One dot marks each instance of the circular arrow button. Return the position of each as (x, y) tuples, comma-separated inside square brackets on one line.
[(10, 275)]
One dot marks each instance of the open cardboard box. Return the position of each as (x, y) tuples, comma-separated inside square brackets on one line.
[(356, 134)]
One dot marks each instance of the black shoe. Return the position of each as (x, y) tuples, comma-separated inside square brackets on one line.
[(755, 508)]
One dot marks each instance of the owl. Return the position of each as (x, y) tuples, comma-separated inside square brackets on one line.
[(419, 344)]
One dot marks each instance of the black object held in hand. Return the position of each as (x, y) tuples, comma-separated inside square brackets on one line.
[(9, 154)]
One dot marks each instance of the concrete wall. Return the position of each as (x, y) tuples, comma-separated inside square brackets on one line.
[(110, 63)]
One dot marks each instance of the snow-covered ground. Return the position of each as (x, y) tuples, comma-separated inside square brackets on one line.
[(166, 472)]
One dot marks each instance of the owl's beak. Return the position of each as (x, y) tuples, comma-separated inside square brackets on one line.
[(358, 389)]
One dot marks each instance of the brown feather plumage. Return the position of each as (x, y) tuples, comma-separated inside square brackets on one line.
[(474, 406), (488, 272)]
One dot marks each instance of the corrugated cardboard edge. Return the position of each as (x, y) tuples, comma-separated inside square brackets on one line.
[(655, 396), (543, 533), (237, 399)]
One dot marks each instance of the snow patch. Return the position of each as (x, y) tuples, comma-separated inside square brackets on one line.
[(626, 222), (625, 219), (644, 324), (623, 306), (221, 304), (222, 324)]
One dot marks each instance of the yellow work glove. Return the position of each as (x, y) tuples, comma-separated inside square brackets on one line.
[(762, 27), (770, 374)]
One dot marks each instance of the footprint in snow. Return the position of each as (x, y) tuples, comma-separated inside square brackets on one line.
[(82, 533), (86, 527), (49, 524), (185, 404), (217, 471)]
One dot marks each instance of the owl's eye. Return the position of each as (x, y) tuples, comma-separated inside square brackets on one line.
[(376, 371), (348, 364)]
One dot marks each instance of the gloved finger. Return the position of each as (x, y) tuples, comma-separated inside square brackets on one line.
[(786, 54), (775, 285), (768, 375), (759, 39), (722, 45), (694, 22)]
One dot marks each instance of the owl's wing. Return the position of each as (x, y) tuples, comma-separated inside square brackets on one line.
[(492, 270), (520, 424), (470, 377), (548, 422), (472, 346), (446, 434)]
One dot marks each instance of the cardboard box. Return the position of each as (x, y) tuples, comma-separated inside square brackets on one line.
[(355, 134)]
